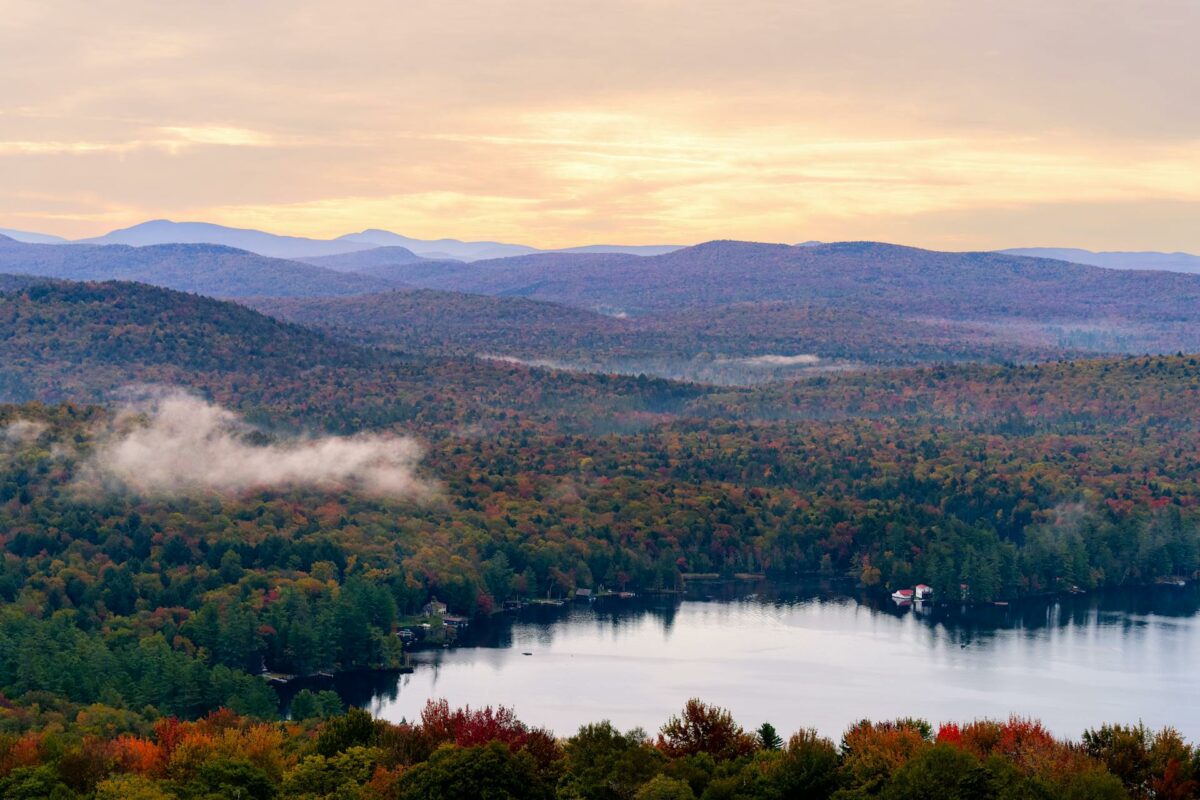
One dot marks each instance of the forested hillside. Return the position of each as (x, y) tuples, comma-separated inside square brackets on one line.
[(363, 360), (185, 544), (723, 312), (745, 343), (87, 341), (860, 275), (852, 301), (208, 269), (10, 283)]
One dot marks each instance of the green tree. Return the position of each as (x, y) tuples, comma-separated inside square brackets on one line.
[(604, 764), (130, 787), (336, 777), (232, 778), (768, 737), (487, 772), (34, 783), (938, 772), (808, 766), (355, 727), (329, 703), (661, 787), (304, 705)]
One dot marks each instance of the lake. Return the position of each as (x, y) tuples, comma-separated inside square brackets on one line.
[(800, 658)]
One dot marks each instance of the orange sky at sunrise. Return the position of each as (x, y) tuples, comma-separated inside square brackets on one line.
[(943, 124)]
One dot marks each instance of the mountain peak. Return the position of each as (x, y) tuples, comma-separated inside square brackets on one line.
[(165, 231)]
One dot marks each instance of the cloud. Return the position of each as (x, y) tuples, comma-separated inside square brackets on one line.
[(178, 136), (765, 120), (54, 147), (171, 139), (179, 444), (537, 363), (771, 360), (21, 431)]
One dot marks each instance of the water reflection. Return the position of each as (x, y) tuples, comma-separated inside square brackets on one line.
[(813, 656)]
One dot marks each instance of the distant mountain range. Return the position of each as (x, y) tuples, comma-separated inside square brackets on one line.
[(163, 231), (1170, 262)]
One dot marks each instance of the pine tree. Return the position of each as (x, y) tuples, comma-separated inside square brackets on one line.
[(768, 737)]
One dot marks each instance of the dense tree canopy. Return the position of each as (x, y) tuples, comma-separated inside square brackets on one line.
[(462, 754)]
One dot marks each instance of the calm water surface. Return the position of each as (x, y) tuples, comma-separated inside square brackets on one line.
[(824, 661)]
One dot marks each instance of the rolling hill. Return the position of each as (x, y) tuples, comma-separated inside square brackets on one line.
[(67, 340), (862, 275), (87, 342), (1041, 304), (207, 269), (723, 312), (451, 323), (737, 344), (11, 283), (392, 264), (375, 257)]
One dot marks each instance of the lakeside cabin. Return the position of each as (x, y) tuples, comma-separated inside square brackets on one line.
[(920, 592), (434, 608)]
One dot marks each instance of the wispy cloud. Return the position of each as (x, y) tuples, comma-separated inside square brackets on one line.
[(52, 147), (169, 139), (176, 443), (21, 431), (176, 136)]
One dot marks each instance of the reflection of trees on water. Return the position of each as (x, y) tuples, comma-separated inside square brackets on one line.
[(363, 689), (1130, 609), (1022, 627), (540, 623)]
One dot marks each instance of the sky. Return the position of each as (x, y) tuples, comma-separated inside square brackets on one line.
[(939, 123)]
